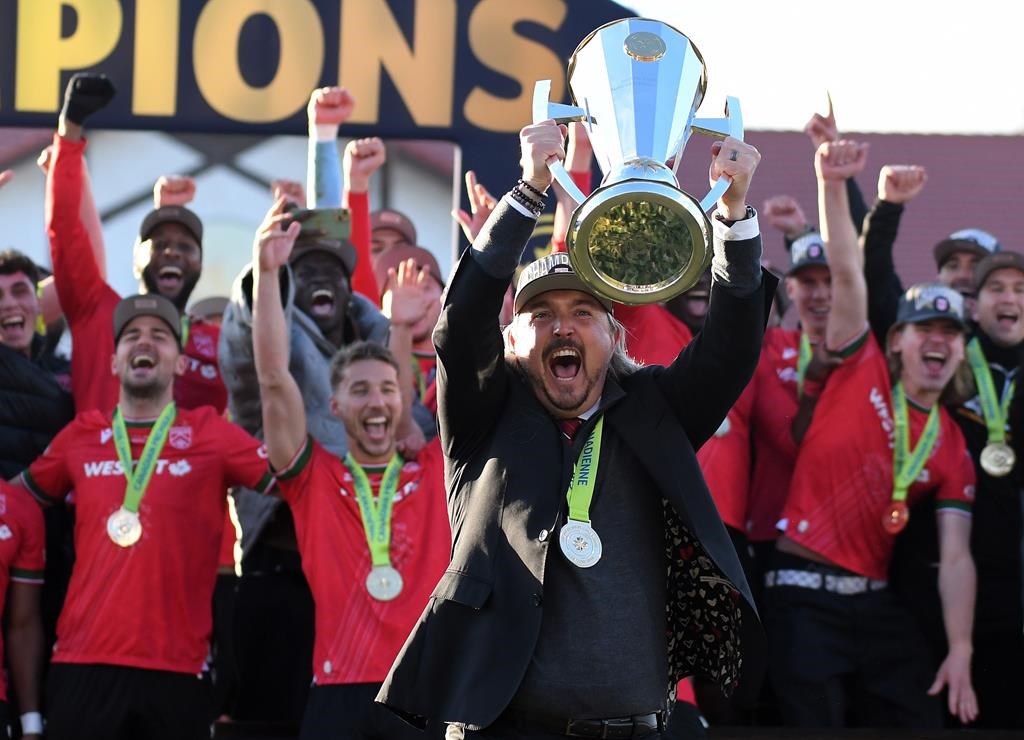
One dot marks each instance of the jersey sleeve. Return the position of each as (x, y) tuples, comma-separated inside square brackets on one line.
[(364, 280), (956, 493), (293, 479), (49, 478), (30, 560), (245, 457)]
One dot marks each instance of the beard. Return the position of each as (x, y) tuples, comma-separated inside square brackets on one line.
[(561, 402), (145, 390), (180, 301)]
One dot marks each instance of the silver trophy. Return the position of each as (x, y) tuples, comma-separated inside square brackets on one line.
[(636, 85)]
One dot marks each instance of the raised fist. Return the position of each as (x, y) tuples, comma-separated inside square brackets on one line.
[(822, 128), (539, 142), (900, 183), (362, 158), (785, 214), (85, 94), (173, 190), (332, 105), (839, 160), (737, 161)]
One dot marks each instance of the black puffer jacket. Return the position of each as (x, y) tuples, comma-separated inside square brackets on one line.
[(35, 404)]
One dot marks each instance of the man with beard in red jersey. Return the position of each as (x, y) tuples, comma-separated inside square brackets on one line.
[(168, 261)]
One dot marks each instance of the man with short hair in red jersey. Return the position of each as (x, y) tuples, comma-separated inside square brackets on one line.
[(22, 537), (373, 528), (167, 259), (149, 481), (844, 649)]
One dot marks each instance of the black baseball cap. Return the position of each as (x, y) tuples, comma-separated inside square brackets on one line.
[(974, 241), (927, 301), (553, 272), (171, 215), (806, 251), (150, 304), (997, 261)]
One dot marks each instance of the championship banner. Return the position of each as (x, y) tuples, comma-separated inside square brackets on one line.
[(458, 70)]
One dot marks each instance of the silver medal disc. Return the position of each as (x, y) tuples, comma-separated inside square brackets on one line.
[(997, 459), (124, 527), (384, 583), (580, 544)]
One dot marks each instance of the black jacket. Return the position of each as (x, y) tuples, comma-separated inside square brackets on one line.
[(468, 654), (34, 405)]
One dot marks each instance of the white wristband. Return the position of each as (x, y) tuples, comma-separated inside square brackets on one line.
[(324, 131), (31, 723)]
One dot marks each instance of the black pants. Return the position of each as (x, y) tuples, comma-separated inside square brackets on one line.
[(5, 716), (348, 712), (105, 702), (840, 660), (998, 677)]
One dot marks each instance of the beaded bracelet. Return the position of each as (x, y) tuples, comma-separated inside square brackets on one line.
[(535, 207), (532, 189)]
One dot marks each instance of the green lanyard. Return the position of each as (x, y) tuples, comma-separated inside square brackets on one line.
[(907, 463), (138, 478), (995, 413), (186, 325), (376, 514), (584, 476), (802, 362)]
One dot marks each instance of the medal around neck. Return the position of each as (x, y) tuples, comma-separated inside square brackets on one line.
[(997, 459), (384, 583), (896, 516), (124, 527), (580, 544)]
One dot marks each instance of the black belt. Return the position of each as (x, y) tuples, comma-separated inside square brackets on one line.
[(639, 725)]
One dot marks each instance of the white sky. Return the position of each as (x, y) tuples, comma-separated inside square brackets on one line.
[(891, 65)]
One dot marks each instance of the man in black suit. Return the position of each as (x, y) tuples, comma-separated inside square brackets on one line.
[(541, 627)]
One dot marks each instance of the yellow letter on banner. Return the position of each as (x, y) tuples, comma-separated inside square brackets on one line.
[(215, 57), (155, 77), (43, 54), (425, 78), (494, 42)]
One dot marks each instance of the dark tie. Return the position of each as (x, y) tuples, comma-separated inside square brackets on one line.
[(570, 427)]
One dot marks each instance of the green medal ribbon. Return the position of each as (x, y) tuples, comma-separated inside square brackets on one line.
[(186, 325), (584, 476), (806, 352), (907, 463), (995, 413), (376, 515), (138, 477)]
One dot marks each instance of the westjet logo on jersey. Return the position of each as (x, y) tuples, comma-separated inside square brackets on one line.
[(105, 468)]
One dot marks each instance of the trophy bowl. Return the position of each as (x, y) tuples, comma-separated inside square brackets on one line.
[(636, 85)]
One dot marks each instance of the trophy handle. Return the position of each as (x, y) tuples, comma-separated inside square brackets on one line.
[(731, 125), (543, 110)]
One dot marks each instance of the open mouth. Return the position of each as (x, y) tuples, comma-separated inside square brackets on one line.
[(934, 361), (376, 428), (818, 310), (13, 322), (323, 302), (565, 363), (1007, 319), (169, 278), (142, 361)]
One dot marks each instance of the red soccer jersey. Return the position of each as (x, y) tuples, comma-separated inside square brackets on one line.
[(88, 302), (22, 539), (148, 605), (725, 461), (843, 480), (774, 404), (653, 335), (358, 637)]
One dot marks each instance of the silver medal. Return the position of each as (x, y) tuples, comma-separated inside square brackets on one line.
[(580, 544), (384, 583), (997, 459), (124, 527)]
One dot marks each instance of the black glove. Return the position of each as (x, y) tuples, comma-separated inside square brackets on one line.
[(86, 93)]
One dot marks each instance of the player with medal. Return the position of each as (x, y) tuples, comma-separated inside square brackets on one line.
[(149, 480), (372, 529), (879, 441)]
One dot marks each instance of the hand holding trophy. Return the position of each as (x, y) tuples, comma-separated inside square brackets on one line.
[(636, 85)]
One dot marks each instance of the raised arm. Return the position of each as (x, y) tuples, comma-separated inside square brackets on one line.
[(897, 185), (834, 162), (362, 158), (328, 108), (481, 204), (284, 416)]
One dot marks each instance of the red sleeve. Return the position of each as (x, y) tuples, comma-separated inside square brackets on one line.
[(48, 478), (245, 457), (582, 180), (956, 494), (30, 560), (363, 279), (75, 273)]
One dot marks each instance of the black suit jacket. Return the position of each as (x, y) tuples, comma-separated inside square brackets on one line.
[(503, 464)]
